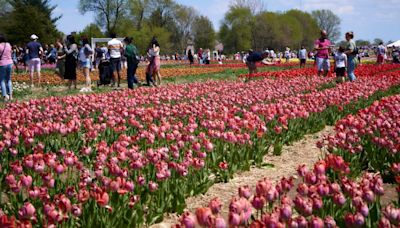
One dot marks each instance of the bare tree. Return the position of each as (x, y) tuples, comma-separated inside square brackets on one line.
[(140, 10), (185, 16), (255, 6), (329, 22), (108, 12)]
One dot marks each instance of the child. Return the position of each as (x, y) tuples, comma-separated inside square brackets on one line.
[(340, 65)]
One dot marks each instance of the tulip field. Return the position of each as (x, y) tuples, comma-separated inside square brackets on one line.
[(125, 158)]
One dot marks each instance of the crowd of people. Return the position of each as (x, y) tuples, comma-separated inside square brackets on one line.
[(70, 55)]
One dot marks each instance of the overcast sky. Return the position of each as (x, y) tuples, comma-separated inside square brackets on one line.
[(368, 19)]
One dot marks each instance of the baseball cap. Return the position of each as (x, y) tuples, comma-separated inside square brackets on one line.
[(34, 37)]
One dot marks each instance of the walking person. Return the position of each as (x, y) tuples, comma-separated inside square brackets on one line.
[(132, 57), (71, 51), (351, 52), (340, 65), (6, 63), (85, 54), (114, 47), (323, 47), (381, 52), (34, 51), (303, 57)]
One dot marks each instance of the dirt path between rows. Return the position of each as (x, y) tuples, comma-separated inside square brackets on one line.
[(301, 152)]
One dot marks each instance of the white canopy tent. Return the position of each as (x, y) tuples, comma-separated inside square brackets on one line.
[(395, 44)]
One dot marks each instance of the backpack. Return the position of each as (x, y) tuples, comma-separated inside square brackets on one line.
[(87, 52), (356, 51)]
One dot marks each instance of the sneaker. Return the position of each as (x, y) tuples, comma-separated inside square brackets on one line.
[(6, 98)]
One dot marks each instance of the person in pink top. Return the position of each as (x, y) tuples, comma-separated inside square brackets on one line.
[(6, 63), (323, 48)]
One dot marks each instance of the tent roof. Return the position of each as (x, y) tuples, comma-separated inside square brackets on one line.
[(395, 44)]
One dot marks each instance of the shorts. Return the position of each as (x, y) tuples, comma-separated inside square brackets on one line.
[(381, 58), (251, 65), (323, 64), (340, 72), (116, 64), (85, 64), (303, 61), (34, 65)]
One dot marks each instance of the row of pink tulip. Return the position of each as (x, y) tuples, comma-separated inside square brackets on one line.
[(370, 139), (66, 157), (326, 197), (320, 201)]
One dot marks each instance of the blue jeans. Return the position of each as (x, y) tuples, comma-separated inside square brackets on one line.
[(351, 66), (132, 67), (5, 80)]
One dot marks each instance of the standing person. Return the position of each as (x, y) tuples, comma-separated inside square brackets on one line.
[(6, 63), (340, 65), (322, 46), (351, 52), (287, 54), (15, 54), (253, 58), (34, 50), (52, 55), (71, 50), (84, 57), (60, 64), (190, 57), (381, 52), (207, 57), (157, 61), (303, 57), (132, 57), (200, 55), (114, 47), (98, 55)]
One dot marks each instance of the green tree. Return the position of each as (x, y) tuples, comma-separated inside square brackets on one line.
[(235, 31), (361, 43), (91, 31), (308, 25), (265, 31), (109, 13), (18, 29), (203, 32), (328, 21), (377, 41)]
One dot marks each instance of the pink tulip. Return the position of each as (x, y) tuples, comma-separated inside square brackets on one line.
[(188, 220), (203, 216), (329, 222), (27, 212), (215, 205), (219, 223), (234, 219), (258, 202), (153, 186), (245, 192), (26, 181)]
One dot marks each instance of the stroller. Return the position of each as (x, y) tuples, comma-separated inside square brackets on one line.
[(105, 72)]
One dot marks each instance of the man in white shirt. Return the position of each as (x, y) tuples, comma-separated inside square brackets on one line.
[(114, 47)]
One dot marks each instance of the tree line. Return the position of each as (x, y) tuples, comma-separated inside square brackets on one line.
[(246, 25)]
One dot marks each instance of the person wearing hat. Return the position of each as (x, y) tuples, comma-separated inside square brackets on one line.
[(34, 50), (253, 58)]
